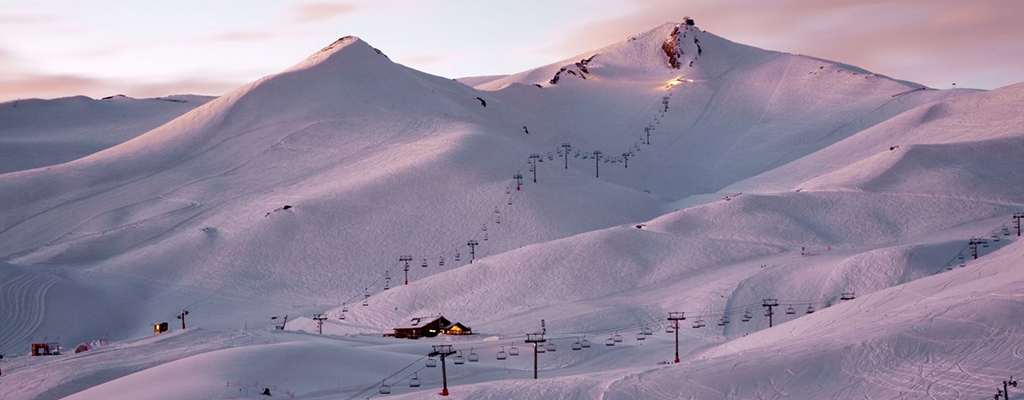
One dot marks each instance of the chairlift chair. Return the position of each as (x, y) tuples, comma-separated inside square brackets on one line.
[(440, 261), (609, 342), (509, 201), (995, 237), (790, 310), (577, 345), (696, 324), (647, 330), (424, 265), (669, 329), (473, 357), (341, 317), (617, 338), (726, 319), (415, 381), (640, 336), (459, 359), (810, 309), (551, 346), (513, 351), (585, 343), (344, 307), (501, 355), (485, 235), (431, 363), (456, 256), (384, 388), (541, 348)]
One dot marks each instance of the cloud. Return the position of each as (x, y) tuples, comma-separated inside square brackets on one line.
[(320, 11), (248, 36)]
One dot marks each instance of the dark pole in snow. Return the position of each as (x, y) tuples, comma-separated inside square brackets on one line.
[(973, 244), (534, 157), (406, 259), (770, 303), (597, 163), (519, 180), (536, 339), (182, 318), (1016, 222), (472, 249), (675, 317), (319, 318), (625, 156), (443, 350), (566, 156)]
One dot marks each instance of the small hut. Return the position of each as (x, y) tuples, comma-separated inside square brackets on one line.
[(456, 328), (429, 327)]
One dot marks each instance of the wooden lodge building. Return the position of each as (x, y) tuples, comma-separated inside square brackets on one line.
[(429, 326)]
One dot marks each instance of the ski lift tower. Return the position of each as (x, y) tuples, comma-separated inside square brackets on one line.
[(535, 339), (319, 318), (675, 317), (769, 313), (533, 159), (472, 249), (519, 180), (625, 158), (973, 244), (181, 316), (567, 146), (647, 130), (1016, 221), (442, 351), (597, 163), (406, 260)]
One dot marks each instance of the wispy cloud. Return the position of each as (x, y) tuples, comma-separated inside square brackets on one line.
[(248, 36), (320, 11)]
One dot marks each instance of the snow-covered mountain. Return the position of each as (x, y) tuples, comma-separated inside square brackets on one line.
[(728, 174), (36, 133)]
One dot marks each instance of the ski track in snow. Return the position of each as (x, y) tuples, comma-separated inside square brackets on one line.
[(22, 306)]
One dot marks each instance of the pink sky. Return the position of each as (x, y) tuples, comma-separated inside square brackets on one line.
[(63, 48)]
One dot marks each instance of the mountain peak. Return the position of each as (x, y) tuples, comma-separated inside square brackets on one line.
[(337, 49)]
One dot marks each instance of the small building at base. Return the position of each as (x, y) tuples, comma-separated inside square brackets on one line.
[(419, 327)]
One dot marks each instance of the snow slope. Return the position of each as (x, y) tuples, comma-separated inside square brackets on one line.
[(767, 175), (36, 133)]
